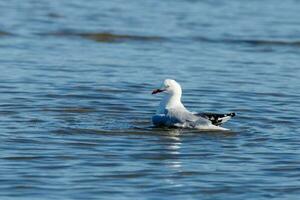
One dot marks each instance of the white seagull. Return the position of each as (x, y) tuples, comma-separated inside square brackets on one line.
[(172, 113)]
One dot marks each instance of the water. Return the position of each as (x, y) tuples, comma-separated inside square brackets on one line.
[(75, 103)]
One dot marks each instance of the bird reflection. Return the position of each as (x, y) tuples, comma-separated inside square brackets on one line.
[(174, 145), (174, 163)]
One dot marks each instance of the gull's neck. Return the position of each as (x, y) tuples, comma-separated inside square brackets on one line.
[(170, 101)]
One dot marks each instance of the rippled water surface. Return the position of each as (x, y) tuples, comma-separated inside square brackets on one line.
[(75, 104)]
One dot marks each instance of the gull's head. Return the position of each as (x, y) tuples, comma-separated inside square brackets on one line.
[(169, 86)]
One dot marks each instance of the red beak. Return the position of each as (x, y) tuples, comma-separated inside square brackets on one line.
[(157, 91)]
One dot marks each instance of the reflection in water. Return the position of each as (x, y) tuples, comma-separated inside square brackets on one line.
[(174, 162), (174, 136)]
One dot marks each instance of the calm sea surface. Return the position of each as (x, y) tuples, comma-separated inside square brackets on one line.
[(75, 99)]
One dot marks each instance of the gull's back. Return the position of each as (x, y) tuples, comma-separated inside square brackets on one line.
[(179, 117)]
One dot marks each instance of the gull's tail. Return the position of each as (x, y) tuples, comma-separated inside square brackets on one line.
[(217, 119)]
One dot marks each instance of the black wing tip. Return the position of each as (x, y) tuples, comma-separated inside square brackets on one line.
[(232, 114)]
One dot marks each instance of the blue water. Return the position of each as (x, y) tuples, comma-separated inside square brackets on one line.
[(76, 104)]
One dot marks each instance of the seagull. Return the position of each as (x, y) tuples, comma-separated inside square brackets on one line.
[(172, 113)]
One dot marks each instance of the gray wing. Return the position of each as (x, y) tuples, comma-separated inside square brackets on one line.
[(179, 117)]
